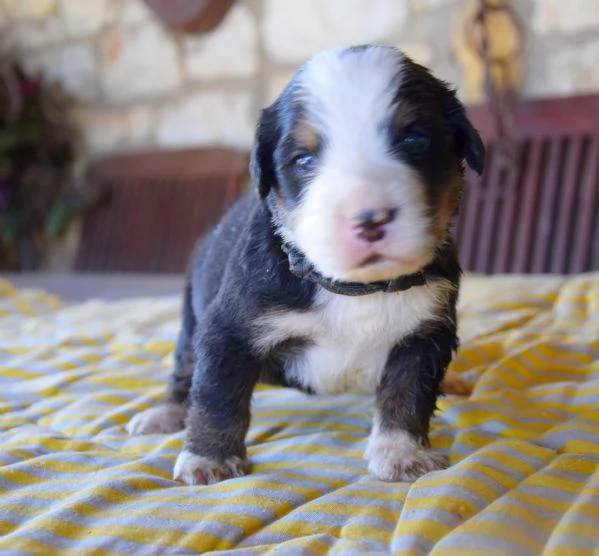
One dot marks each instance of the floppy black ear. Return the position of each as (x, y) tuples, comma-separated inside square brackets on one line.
[(468, 141), (262, 166)]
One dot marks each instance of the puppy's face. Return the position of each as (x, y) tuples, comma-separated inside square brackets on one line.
[(360, 160)]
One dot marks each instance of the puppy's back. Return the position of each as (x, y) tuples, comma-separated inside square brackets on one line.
[(213, 252)]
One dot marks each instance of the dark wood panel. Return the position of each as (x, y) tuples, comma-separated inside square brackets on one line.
[(586, 234), (565, 213), (510, 206), (158, 204), (543, 216), (468, 216), (485, 231)]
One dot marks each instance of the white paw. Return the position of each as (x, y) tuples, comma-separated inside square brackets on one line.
[(198, 470), (163, 419), (397, 456)]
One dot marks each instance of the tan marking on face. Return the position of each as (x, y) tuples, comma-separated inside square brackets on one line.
[(306, 137), (448, 204), (405, 115), (283, 212)]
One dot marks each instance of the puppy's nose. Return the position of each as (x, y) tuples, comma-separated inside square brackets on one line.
[(370, 224)]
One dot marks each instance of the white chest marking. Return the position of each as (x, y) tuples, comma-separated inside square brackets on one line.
[(350, 337)]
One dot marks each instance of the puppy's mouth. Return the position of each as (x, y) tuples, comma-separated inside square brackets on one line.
[(373, 259), (379, 266)]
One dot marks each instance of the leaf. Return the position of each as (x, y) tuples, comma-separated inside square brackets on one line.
[(17, 137), (11, 228), (60, 216)]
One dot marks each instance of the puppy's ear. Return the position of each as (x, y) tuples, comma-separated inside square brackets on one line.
[(262, 165), (469, 144)]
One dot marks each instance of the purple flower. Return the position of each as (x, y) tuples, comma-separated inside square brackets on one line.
[(31, 86)]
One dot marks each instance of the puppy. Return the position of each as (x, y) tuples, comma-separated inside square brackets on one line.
[(339, 274)]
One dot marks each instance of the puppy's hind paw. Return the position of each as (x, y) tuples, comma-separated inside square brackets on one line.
[(454, 384), (163, 419), (192, 469)]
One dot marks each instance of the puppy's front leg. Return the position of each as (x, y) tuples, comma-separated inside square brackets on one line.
[(219, 415), (406, 400)]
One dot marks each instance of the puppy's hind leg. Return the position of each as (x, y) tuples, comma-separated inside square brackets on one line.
[(169, 416)]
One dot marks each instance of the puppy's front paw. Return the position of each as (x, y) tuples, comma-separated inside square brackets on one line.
[(192, 469), (163, 419), (396, 456)]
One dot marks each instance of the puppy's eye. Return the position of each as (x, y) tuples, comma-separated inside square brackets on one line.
[(414, 140), (304, 162)]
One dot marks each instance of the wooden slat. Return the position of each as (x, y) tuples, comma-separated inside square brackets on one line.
[(545, 203), (140, 233), (512, 193), (565, 206), (487, 223), (526, 219), (469, 213), (588, 214)]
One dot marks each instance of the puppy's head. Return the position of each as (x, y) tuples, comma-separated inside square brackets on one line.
[(361, 160)]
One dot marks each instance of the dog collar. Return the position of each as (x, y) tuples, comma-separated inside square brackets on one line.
[(301, 267)]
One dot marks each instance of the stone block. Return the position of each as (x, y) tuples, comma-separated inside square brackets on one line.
[(228, 51), (115, 129), (431, 5), (138, 63), (29, 36), (565, 16), (573, 70), (134, 12), (294, 31), (81, 18), (73, 66), (28, 10), (223, 118)]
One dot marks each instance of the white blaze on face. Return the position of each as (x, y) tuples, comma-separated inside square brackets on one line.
[(348, 97)]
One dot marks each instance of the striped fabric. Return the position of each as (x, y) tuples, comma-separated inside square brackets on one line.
[(524, 448)]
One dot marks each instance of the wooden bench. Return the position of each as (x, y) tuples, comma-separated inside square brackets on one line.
[(544, 216), (157, 205)]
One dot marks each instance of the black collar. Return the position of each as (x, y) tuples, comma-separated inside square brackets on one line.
[(302, 268)]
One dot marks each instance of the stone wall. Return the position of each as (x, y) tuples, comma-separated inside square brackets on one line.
[(140, 85)]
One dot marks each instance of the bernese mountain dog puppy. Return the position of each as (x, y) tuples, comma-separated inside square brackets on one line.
[(337, 273)]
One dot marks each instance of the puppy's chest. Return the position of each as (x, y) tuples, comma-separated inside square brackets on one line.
[(348, 339)]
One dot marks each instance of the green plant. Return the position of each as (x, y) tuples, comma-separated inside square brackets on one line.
[(39, 143)]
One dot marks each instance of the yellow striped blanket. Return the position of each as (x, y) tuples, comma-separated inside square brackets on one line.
[(524, 447)]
